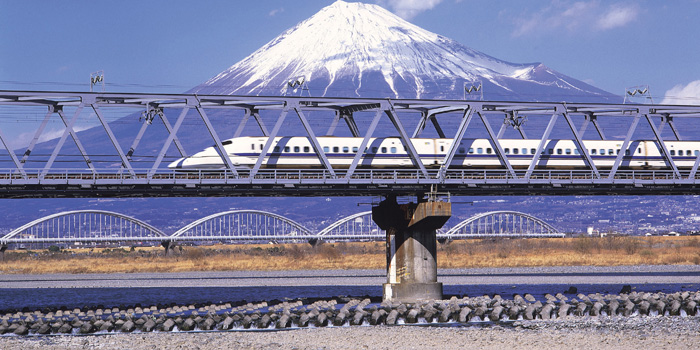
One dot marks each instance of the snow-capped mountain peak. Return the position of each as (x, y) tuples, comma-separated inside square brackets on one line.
[(363, 50)]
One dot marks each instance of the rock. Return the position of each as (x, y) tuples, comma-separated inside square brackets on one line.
[(321, 320), (149, 326), (187, 324), (626, 289), (546, 311), (227, 323), (563, 310), (495, 314), (571, 290), (107, 326), (464, 314), (44, 329), (392, 317), (358, 318), (21, 330), (595, 308), (87, 328), (168, 325), (446, 314), (283, 322), (65, 328), (128, 327)]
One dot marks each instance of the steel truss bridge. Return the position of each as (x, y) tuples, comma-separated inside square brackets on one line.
[(122, 172), (97, 226)]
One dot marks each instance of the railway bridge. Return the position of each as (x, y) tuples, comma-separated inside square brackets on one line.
[(611, 149)]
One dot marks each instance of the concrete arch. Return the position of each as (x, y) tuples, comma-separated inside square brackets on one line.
[(84, 226), (371, 231), (535, 227), (243, 225)]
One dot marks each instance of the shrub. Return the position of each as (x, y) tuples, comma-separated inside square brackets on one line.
[(54, 249), (329, 252)]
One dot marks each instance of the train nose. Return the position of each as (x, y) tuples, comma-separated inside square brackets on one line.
[(176, 164)]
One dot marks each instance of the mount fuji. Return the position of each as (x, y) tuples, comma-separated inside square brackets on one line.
[(363, 50)]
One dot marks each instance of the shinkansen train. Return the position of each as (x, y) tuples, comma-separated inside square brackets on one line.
[(389, 152)]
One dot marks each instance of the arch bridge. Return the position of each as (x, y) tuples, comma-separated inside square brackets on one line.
[(237, 226)]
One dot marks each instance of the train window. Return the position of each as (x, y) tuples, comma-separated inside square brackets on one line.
[(550, 150), (326, 149), (617, 151), (227, 142), (559, 151), (506, 150), (533, 150), (568, 151), (471, 150), (576, 151), (297, 149), (602, 152), (611, 152), (515, 151), (697, 152), (687, 152), (252, 146), (461, 150), (639, 150), (286, 148), (442, 148), (306, 149), (627, 152), (673, 152), (524, 150), (276, 149), (261, 146), (383, 149), (336, 149), (355, 149), (479, 150), (393, 149), (593, 151), (374, 149), (346, 149), (488, 150)]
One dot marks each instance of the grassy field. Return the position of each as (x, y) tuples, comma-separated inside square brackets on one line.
[(607, 251)]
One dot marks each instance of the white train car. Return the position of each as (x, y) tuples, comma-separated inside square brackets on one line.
[(297, 152)]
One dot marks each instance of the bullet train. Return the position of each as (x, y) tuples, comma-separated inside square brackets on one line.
[(388, 152)]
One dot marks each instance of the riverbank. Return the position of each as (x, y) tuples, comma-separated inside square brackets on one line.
[(583, 251)]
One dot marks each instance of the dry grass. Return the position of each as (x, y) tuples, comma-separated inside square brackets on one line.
[(608, 251)]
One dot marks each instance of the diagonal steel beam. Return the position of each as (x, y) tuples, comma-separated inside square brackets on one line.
[(241, 125), (9, 150), (363, 145), (172, 131), (433, 119), (694, 170), (540, 146), (261, 124), (579, 142), (350, 121), (334, 124), (415, 158), (421, 124), (584, 126), (496, 144), (67, 131), (37, 135), (594, 120), (172, 136), (137, 140), (217, 141), (115, 143), (463, 124), (668, 119), (270, 140), (314, 141), (625, 145), (662, 146), (74, 136)]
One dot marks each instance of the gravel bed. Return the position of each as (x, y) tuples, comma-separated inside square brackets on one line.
[(589, 333)]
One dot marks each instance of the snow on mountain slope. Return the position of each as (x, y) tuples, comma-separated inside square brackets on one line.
[(363, 50)]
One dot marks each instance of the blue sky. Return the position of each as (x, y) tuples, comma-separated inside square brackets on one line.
[(173, 45)]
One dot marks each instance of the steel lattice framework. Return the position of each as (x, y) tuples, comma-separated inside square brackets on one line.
[(243, 225), (502, 224), (97, 226), (358, 226), (84, 226), (123, 178)]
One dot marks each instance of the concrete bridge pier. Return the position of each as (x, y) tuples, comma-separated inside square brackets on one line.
[(3, 248), (168, 245), (411, 247)]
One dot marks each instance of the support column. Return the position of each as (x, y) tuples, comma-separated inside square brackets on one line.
[(3, 248), (411, 247), (168, 245)]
